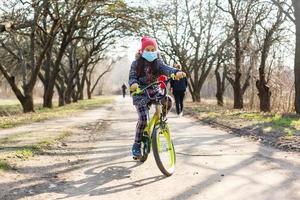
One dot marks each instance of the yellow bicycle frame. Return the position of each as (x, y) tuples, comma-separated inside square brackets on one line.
[(166, 131), (153, 121)]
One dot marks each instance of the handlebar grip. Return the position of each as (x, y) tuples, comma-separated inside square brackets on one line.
[(173, 76), (137, 91)]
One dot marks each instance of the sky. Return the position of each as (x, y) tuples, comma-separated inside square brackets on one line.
[(287, 53), (133, 46), (134, 43)]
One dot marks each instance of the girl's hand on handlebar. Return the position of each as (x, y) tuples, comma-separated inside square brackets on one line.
[(180, 75), (134, 87)]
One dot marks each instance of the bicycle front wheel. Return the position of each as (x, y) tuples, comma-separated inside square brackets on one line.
[(163, 151)]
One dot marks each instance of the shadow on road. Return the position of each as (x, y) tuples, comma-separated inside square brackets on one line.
[(106, 173), (197, 145)]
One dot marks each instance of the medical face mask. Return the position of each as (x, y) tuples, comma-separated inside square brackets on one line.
[(150, 56)]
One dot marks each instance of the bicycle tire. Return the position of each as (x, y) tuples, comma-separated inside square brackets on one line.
[(145, 148), (156, 152)]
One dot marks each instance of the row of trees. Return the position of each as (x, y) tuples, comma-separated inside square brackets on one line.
[(234, 39), (59, 43)]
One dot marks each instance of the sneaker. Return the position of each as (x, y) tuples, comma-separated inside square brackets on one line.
[(136, 150), (181, 114)]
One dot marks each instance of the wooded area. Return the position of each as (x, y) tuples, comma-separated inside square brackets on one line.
[(60, 43), (239, 46)]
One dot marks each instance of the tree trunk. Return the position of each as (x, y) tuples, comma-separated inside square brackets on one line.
[(60, 87), (220, 84), (48, 95), (237, 90), (61, 98), (219, 97), (47, 99), (47, 66), (25, 100), (82, 82), (238, 96), (238, 100), (264, 95), (195, 89), (219, 94), (27, 104), (264, 92), (297, 57), (88, 88), (68, 96), (89, 95), (252, 95), (80, 92), (81, 95), (196, 95), (74, 96)]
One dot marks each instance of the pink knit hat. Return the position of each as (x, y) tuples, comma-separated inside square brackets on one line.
[(146, 41)]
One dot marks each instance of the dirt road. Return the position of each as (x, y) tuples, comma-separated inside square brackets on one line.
[(211, 164)]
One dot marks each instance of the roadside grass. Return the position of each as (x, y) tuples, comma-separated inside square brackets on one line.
[(286, 123), (279, 120), (41, 146), (4, 166), (24, 154), (15, 149), (11, 113), (24, 146)]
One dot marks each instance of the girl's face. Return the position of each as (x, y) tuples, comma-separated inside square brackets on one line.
[(150, 48)]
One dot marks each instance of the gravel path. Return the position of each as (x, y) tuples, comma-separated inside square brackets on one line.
[(96, 164)]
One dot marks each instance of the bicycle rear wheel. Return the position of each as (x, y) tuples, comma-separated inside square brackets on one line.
[(163, 151)]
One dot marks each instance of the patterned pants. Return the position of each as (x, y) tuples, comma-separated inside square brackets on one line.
[(142, 111)]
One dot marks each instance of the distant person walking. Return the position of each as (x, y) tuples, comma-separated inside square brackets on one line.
[(178, 88), (124, 88)]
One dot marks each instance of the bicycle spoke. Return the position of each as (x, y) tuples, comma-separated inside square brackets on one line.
[(164, 152)]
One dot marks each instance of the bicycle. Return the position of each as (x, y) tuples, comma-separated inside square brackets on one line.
[(157, 132)]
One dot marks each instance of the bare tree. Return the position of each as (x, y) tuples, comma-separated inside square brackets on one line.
[(292, 10), (245, 18), (91, 70), (192, 39), (221, 77), (33, 60), (89, 28), (270, 36), (72, 20), (297, 56)]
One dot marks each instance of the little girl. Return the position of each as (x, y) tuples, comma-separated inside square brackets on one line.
[(145, 70)]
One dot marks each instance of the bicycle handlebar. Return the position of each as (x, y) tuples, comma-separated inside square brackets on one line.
[(140, 91)]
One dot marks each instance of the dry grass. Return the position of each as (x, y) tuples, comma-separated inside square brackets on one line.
[(11, 112), (286, 123), (4, 165), (25, 145)]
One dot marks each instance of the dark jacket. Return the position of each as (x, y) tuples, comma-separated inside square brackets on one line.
[(163, 69), (179, 85), (124, 87)]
